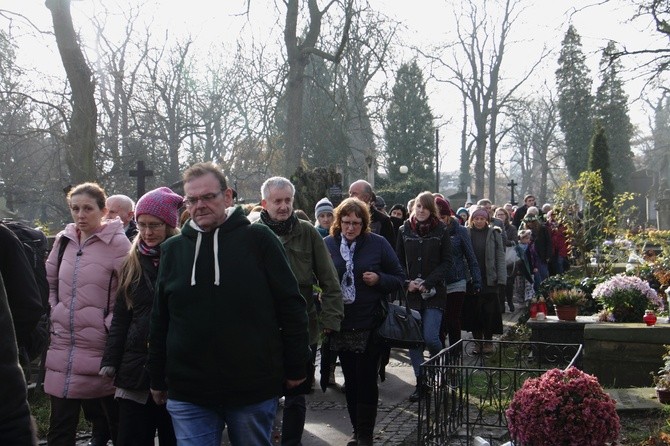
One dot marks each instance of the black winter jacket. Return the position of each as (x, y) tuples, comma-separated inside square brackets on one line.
[(127, 349), (428, 258), (15, 422)]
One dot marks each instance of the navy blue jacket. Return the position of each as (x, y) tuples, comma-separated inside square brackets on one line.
[(462, 252), (373, 253)]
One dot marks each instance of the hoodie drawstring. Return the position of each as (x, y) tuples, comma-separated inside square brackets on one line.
[(217, 271)]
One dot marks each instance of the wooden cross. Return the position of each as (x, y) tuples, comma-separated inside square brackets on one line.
[(512, 184), (141, 173)]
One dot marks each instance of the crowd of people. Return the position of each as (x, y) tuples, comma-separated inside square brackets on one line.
[(183, 325)]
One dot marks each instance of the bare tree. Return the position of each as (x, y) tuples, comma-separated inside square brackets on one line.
[(298, 51), (533, 139), (80, 139), (474, 67), (368, 52), (118, 68), (164, 110)]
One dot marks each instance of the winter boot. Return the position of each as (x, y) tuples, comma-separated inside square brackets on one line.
[(366, 417)]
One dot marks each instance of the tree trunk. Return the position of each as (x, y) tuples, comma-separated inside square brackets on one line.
[(81, 135), (298, 52), (295, 92), (493, 146)]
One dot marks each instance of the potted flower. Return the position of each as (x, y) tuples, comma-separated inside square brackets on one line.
[(625, 298), (562, 407), (567, 302), (661, 378)]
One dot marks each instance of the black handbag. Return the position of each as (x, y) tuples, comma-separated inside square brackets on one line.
[(401, 328)]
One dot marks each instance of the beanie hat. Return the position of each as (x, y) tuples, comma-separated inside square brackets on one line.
[(481, 212), (323, 205), (460, 210), (443, 207), (379, 203), (161, 203)]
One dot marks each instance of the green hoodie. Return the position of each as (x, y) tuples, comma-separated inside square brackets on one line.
[(231, 343)]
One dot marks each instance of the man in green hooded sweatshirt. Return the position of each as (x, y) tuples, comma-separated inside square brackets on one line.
[(229, 326)]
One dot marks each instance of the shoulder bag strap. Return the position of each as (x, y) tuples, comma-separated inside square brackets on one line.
[(62, 244)]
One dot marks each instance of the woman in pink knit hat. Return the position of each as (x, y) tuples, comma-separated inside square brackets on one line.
[(125, 358)]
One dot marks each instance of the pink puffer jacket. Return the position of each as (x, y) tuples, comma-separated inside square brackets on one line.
[(80, 297)]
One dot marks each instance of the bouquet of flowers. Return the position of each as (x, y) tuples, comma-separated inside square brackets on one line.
[(563, 408), (624, 298)]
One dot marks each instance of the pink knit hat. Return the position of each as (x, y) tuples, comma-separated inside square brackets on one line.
[(481, 212), (161, 203)]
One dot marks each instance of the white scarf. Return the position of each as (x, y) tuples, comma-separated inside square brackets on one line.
[(347, 284)]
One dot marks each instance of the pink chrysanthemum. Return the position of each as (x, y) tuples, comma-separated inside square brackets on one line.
[(563, 408)]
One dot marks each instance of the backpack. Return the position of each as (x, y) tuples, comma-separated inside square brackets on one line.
[(35, 247)]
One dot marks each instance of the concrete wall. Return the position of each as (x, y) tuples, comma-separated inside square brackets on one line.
[(623, 355)]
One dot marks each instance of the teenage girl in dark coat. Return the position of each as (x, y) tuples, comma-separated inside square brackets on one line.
[(424, 250)]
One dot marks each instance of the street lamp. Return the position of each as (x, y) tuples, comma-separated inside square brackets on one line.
[(403, 169)]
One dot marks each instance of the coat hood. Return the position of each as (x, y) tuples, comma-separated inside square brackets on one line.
[(234, 218)]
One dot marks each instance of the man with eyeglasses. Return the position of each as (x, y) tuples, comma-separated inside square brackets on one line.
[(309, 260), (228, 326)]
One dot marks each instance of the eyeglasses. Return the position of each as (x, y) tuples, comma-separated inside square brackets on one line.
[(353, 224), (192, 201), (152, 226)]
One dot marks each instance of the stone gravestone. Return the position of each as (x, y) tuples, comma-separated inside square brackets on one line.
[(663, 197), (642, 185), (663, 209)]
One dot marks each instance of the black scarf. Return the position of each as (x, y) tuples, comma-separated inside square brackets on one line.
[(279, 227)]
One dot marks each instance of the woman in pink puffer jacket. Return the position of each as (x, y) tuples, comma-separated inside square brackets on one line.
[(81, 295)]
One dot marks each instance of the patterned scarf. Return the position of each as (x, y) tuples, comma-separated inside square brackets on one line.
[(278, 227), (153, 253), (423, 228), (347, 284)]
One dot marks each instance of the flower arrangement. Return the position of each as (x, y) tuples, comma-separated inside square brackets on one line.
[(568, 297), (624, 298), (563, 407)]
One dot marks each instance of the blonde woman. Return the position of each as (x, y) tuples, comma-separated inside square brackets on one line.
[(125, 357)]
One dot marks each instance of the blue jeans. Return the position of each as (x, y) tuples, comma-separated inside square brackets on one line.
[(202, 426), (431, 319)]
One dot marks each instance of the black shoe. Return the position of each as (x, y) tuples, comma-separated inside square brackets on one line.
[(511, 308), (416, 396)]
